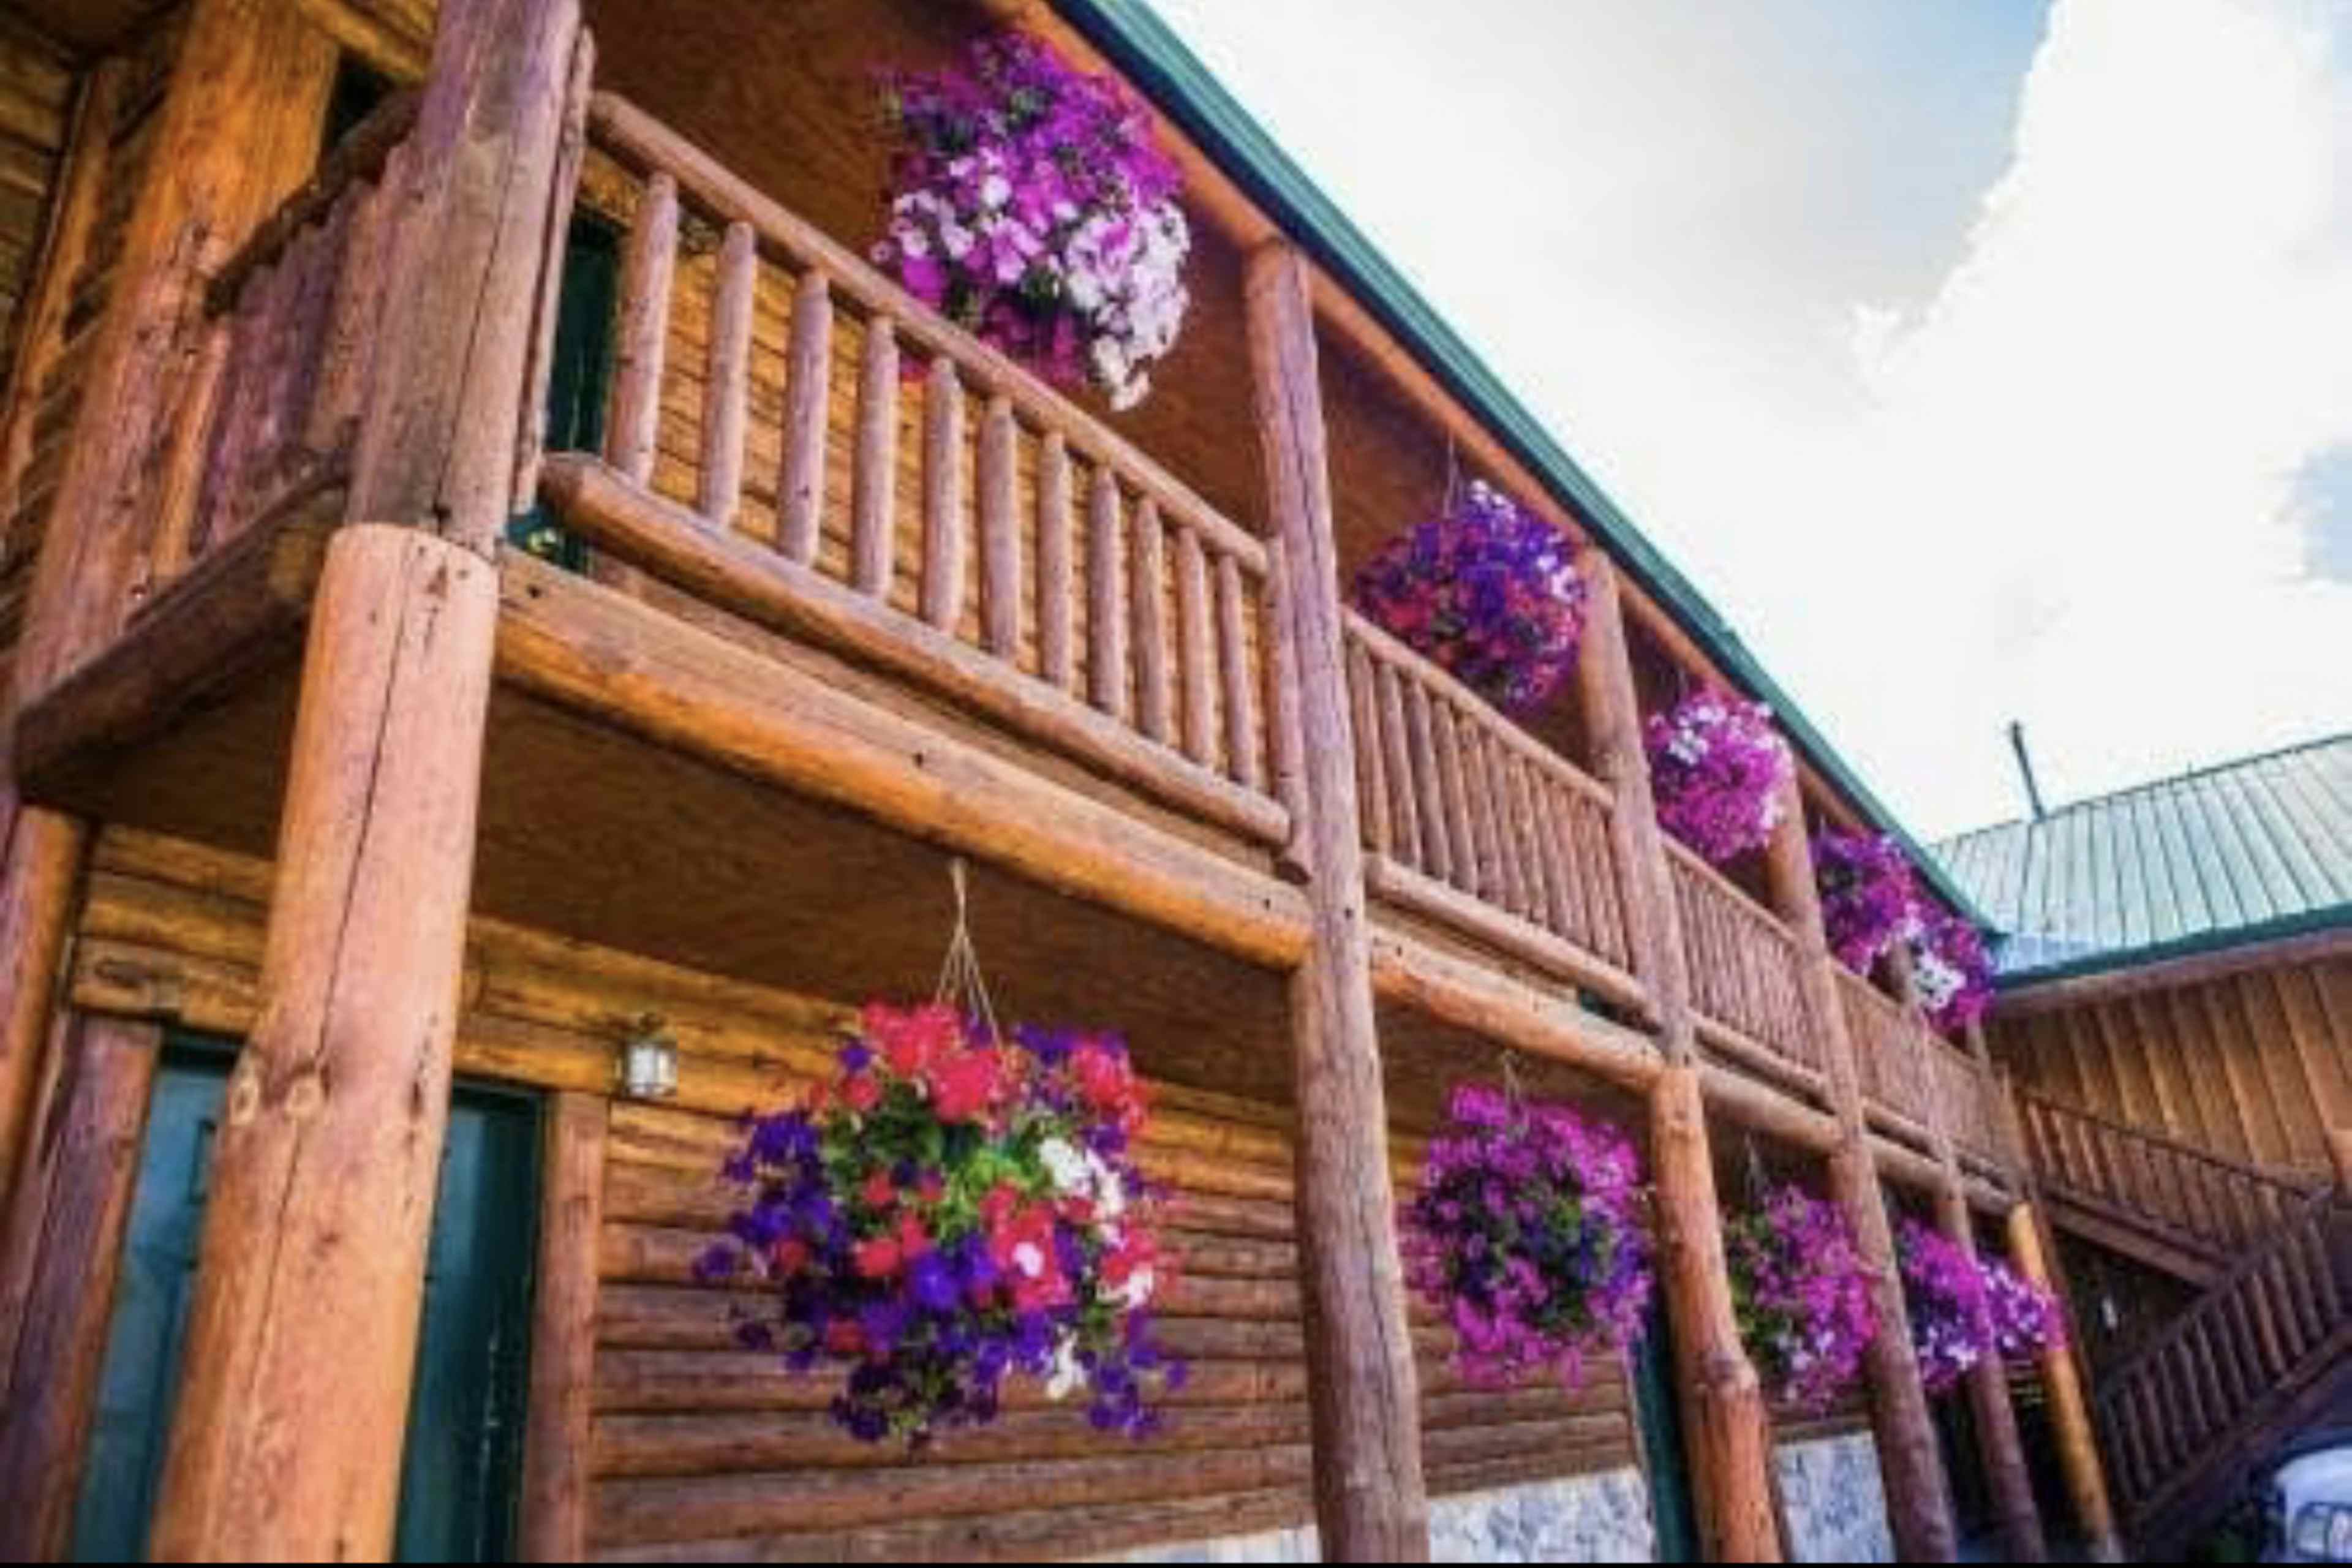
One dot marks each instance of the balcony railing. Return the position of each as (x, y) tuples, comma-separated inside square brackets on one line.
[(794, 438), (791, 439), (1894, 1087), (290, 335), (1746, 983), (1472, 822)]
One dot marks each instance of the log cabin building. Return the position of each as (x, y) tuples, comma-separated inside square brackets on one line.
[(487, 562), (2175, 1015)]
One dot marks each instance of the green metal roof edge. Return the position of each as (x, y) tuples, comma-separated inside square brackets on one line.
[(1144, 46), (2309, 922)]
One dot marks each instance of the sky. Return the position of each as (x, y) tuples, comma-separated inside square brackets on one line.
[(1980, 361)]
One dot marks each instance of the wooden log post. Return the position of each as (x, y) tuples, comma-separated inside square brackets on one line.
[(287, 1438), (236, 132), (40, 886), (2031, 1251), (1910, 1468), (239, 131), (1998, 1448), (558, 1436), (1370, 1499), (61, 1260), (2070, 1411), (1729, 1430)]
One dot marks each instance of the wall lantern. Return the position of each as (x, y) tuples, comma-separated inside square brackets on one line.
[(649, 1060)]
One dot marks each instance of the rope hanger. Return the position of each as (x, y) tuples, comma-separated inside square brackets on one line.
[(962, 983)]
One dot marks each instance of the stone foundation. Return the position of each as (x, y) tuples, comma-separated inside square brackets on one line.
[(1835, 1505), (1601, 1518)]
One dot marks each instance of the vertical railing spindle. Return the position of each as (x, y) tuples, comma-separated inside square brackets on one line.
[(808, 409), (874, 476), (943, 493), (727, 377)]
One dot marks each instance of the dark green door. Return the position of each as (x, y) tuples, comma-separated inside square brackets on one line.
[(1673, 1510), (579, 376), (464, 1431)]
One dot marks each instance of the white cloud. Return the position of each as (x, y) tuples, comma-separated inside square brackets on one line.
[(1940, 472)]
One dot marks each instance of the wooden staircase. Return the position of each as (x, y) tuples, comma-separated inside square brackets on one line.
[(2264, 1350)]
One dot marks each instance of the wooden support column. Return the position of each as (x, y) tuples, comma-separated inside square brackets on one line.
[(61, 1260), (40, 887), (1999, 1449), (237, 131), (1729, 1431), (1918, 1499), (1363, 1401), (2030, 1253), (301, 1341), (557, 1437), (2070, 1411)]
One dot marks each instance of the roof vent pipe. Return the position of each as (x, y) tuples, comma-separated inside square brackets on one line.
[(2025, 768)]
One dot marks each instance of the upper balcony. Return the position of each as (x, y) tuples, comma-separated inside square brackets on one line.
[(796, 468)]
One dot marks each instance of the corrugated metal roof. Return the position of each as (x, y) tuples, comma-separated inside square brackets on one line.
[(2245, 851)]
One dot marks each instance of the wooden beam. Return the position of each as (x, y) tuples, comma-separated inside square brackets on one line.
[(602, 654), (40, 884), (64, 1243), (559, 1435), (1727, 1432), (2070, 1412), (746, 578), (463, 317), (1370, 1500), (1999, 1445), (1919, 1500), (239, 131), (239, 609), (301, 1341), (2056, 995), (41, 319)]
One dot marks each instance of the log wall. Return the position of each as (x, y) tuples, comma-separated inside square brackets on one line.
[(35, 457), (700, 1450), (2254, 1064), (36, 88)]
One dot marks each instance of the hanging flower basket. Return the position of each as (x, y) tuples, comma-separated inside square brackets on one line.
[(1943, 1292), (1867, 894), (949, 1210), (1950, 968), (1803, 1296), (1488, 591), (1716, 767), (2026, 1318), (1030, 205), (1527, 1234)]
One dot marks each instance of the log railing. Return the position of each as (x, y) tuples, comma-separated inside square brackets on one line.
[(1746, 983), (792, 438), (1956, 1087), (1896, 1090), (291, 331), (1470, 821), (2240, 1358), (2196, 1200)]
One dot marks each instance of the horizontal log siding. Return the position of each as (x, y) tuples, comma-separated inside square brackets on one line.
[(1234, 747), (58, 401), (2255, 1066), (36, 99), (702, 1450)]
